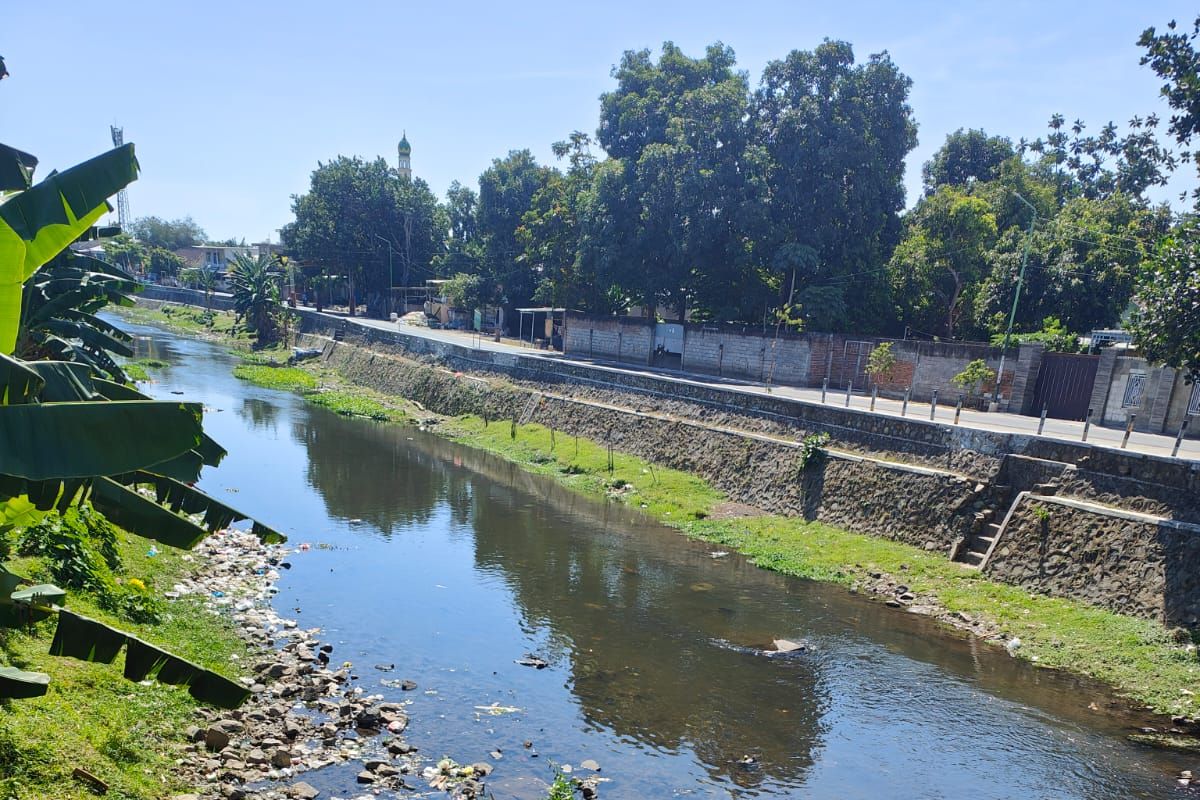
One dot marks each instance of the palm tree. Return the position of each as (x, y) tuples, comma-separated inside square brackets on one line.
[(255, 285)]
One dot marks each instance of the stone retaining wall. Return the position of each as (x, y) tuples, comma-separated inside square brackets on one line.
[(1129, 563)]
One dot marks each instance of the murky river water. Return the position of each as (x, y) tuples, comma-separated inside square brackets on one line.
[(452, 565)]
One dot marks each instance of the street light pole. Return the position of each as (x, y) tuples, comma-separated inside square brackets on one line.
[(1012, 316), (391, 277)]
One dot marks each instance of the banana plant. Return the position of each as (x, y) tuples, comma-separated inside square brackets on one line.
[(59, 308), (70, 435)]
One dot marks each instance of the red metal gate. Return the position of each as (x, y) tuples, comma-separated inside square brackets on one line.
[(1064, 385)]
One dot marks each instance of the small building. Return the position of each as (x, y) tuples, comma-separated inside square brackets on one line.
[(214, 257)]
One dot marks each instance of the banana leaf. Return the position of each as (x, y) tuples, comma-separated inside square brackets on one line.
[(18, 383), (97, 340), (10, 615), (142, 659), (38, 223), (17, 684), (210, 452), (136, 514), (175, 671), (183, 467), (16, 166), (79, 637), (180, 497), (17, 510), (216, 690), (83, 439), (37, 602), (65, 381), (49, 494)]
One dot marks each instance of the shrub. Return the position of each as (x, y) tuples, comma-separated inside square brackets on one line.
[(881, 362), (72, 559), (973, 375)]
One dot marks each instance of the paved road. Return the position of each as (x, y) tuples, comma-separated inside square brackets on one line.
[(1154, 444)]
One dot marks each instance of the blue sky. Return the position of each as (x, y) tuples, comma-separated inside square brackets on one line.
[(232, 104)]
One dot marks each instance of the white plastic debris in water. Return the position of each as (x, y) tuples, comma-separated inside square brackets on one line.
[(787, 646), (719, 553)]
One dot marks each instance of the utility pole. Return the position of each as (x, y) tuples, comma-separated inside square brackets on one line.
[(1012, 316), (391, 278)]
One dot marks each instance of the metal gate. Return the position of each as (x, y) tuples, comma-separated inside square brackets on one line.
[(1064, 386)]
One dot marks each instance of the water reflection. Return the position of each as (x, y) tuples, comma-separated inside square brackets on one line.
[(258, 413)]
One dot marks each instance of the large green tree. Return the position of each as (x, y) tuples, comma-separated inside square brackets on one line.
[(836, 134), (506, 189), (549, 230), (1173, 56), (680, 129), (1166, 324), (938, 265), (463, 252), (356, 216)]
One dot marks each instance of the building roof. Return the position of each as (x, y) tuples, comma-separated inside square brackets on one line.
[(404, 148)]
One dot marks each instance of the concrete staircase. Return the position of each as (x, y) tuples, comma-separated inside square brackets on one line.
[(996, 499)]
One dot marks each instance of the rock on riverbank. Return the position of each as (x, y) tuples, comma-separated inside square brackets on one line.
[(305, 712)]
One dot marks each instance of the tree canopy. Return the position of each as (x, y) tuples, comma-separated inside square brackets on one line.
[(169, 235)]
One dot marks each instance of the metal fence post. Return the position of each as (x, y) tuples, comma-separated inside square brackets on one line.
[(849, 388), (933, 404), (1128, 430), (1042, 421), (1087, 424), (958, 409), (874, 395), (824, 388), (904, 408), (1179, 437)]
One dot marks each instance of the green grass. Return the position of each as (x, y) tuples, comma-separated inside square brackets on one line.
[(1136, 656), (323, 388), (290, 379), (139, 370), (122, 732), (583, 465), (188, 319), (355, 404)]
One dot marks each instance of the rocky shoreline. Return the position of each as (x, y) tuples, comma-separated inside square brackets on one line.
[(305, 711)]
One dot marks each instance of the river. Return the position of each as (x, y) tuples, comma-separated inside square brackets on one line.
[(452, 565)]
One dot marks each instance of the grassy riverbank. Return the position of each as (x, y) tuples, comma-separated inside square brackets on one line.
[(1136, 656), (124, 733)]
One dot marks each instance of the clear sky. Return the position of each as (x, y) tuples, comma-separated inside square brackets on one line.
[(232, 104)]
